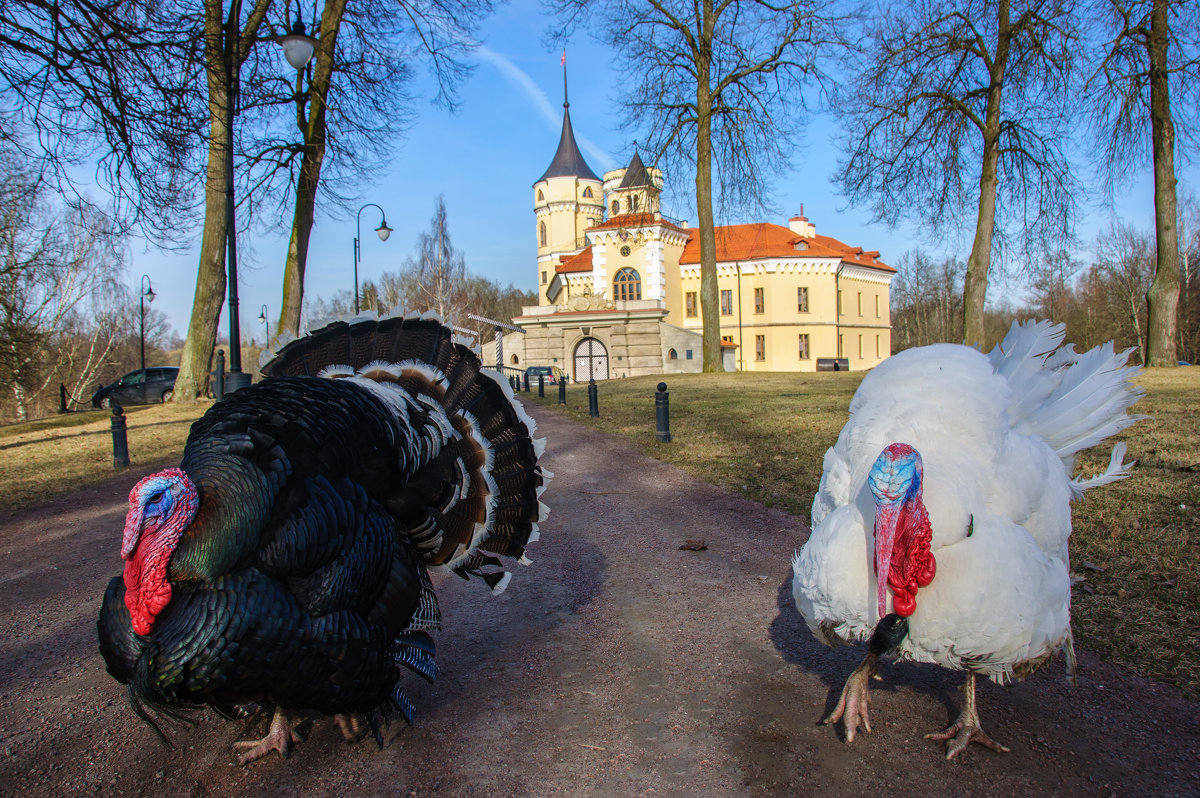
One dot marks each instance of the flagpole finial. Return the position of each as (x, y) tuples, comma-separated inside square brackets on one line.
[(566, 103)]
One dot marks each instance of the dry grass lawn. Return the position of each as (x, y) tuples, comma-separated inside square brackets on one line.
[(1135, 544), (55, 456)]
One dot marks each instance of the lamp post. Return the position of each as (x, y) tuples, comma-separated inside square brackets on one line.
[(382, 230), (298, 52), (266, 327), (147, 295)]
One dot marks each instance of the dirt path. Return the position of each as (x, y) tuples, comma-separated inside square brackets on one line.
[(615, 665)]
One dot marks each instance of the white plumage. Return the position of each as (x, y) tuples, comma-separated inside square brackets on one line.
[(997, 435)]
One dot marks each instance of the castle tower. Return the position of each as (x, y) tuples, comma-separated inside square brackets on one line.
[(567, 200)]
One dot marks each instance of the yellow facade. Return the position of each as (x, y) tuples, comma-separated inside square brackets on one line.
[(619, 285)]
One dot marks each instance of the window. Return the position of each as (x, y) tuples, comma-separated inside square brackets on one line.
[(540, 197), (689, 304), (877, 342), (687, 354), (802, 299), (860, 347), (804, 346), (759, 301), (727, 302), (672, 354), (760, 347), (860, 303), (839, 303), (543, 278), (587, 192), (841, 344), (542, 233), (877, 306), (633, 203), (627, 284), (515, 360), (616, 207)]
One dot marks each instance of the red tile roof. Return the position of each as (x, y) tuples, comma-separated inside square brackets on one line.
[(764, 240), (579, 262)]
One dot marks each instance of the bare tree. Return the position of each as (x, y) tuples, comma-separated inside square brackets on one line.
[(949, 102), (352, 103), (1148, 78), (1126, 262), (437, 269), (105, 82), (717, 91), (51, 262), (926, 301)]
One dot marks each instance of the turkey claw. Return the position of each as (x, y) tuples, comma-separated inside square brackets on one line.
[(279, 738), (961, 734), (852, 707)]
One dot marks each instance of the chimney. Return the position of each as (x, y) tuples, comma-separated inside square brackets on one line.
[(801, 226)]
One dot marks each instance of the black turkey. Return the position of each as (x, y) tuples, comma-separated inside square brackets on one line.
[(285, 562)]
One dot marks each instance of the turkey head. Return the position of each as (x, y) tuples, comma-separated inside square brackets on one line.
[(160, 507), (903, 560)]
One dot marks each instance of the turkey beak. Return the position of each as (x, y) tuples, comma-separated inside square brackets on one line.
[(887, 516)]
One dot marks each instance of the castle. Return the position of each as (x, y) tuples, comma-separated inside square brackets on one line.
[(619, 284)]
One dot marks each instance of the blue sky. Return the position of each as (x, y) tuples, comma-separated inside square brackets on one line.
[(484, 159)]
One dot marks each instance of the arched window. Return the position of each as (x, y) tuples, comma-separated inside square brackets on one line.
[(540, 197), (542, 233), (616, 207), (515, 360), (672, 355), (587, 191), (627, 284), (633, 203)]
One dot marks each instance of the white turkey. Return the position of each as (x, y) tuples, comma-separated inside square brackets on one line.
[(941, 522), (285, 562)]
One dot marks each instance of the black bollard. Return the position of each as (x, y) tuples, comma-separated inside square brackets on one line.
[(526, 376), (219, 393), (662, 414), (120, 437), (541, 385), (593, 399), (62, 398), (562, 391)]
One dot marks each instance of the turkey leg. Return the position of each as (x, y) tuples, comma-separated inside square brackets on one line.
[(966, 729), (279, 738), (855, 700)]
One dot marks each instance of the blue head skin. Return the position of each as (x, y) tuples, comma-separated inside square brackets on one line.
[(895, 480)]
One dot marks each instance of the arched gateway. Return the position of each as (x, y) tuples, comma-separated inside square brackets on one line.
[(591, 361)]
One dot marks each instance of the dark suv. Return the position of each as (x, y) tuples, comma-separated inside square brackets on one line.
[(140, 387)]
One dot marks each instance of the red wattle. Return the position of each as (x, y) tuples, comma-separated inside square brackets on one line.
[(913, 564)]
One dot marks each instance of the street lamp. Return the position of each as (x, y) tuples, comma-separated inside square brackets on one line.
[(266, 326), (383, 230), (147, 295), (236, 378)]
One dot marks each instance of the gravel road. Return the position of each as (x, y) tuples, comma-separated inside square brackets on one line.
[(616, 664)]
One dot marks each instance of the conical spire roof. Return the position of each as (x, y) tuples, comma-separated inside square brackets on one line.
[(635, 173), (568, 160)]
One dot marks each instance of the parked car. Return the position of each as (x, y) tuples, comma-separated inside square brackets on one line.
[(138, 387), (553, 374)]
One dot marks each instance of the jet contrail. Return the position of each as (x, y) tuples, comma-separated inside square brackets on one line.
[(540, 101)]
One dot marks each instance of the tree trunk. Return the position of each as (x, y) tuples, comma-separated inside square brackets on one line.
[(315, 136), (1163, 297), (196, 360), (976, 282), (710, 309)]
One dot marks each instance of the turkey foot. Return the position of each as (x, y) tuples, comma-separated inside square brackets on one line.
[(351, 726), (966, 729), (279, 738), (852, 707)]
